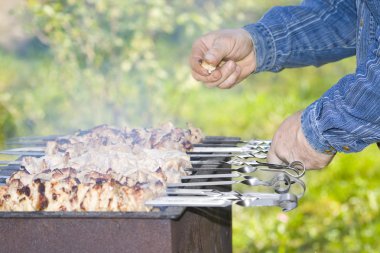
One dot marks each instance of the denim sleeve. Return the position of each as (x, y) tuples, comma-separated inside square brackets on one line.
[(347, 117), (314, 33)]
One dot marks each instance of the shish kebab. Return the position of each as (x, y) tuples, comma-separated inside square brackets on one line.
[(249, 148), (256, 149)]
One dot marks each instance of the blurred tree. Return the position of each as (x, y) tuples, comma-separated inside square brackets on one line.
[(121, 58), (7, 126)]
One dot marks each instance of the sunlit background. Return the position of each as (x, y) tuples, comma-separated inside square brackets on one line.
[(68, 65)]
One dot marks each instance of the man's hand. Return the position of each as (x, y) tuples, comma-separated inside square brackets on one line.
[(234, 47), (289, 144)]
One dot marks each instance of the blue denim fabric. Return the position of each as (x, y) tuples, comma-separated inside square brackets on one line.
[(347, 117)]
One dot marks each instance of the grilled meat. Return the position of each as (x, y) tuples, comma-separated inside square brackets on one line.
[(166, 138), (102, 169)]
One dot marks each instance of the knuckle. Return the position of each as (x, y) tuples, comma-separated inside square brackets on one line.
[(234, 79), (214, 78), (231, 65), (223, 39), (229, 68)]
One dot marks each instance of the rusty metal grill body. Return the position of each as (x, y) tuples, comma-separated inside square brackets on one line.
[(196, 230), (172, 229)]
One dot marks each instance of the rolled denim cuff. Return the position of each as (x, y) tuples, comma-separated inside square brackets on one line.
[(312, 133), (264, 45)]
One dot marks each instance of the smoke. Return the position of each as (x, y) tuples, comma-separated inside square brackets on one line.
[(108, 62)]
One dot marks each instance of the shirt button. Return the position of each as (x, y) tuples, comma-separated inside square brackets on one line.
[(361, 22), (346, 148)]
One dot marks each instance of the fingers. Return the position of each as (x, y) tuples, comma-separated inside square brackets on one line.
[(273, 158), (216, 48), (226, 71), (195, 64), (196, 57), (218, 51), (215, 76), (212, 52), (232, 80), (289, 144), (224, 77)]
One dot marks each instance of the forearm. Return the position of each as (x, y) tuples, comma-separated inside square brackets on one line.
[(347, 117), (314, 33)]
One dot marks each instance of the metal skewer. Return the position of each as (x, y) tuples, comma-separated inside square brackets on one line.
[(242, 149), (202, 192), (286, 201), (294, 172), (294, 169), (281, 183), (210, 176)]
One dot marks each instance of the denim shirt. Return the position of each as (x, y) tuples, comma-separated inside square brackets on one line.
[(347, 117)]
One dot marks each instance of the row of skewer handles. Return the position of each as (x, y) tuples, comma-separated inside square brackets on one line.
[(231, 162), (220, 162)]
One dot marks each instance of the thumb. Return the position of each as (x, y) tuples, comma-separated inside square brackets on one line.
[(218, 51)]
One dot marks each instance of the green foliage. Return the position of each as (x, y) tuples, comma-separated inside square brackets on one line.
[(121, 58), (7, 127), (125, 62), (338, 214)]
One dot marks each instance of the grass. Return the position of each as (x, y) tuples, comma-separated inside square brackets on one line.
[(339, 212)]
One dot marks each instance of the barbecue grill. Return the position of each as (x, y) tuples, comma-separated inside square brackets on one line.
[(177, 226)]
